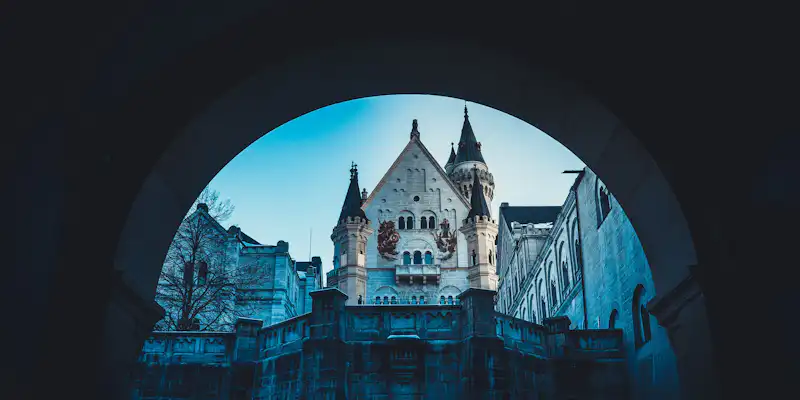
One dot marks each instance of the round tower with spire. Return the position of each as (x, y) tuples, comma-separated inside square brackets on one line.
[(350, 244), (466, 161), (480, 231)]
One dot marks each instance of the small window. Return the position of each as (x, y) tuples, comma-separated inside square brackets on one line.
[(406, 258), (413, 299), (553, 292), (401, 223), (417, 257), (202, 273), (416, 198), (385, 299), (360, 299), (641, 318), (377, 299), (431, 223), (613, 319), (423, 223), (394, 300), (474, 257), (409, 222), (441, 300), (565, 276), (449, 299), (428, 257), (421, 299)]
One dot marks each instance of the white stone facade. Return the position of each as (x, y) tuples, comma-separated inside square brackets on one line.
[(427, 260)]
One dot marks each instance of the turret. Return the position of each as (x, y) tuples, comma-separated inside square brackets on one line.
[(350, 243), (480, 230), (469, 161), (451, 161)]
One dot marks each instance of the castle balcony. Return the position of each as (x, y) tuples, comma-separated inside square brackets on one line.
[(417, 273)]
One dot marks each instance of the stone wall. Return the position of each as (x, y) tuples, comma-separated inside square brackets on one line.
[(398, 352)]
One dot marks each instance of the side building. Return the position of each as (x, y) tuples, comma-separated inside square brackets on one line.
[(234, 274), (584, 261)]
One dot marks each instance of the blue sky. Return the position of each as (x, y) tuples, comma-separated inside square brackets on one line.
[(293, 180)]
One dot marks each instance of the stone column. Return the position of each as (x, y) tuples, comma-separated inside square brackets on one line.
[(483, 355), (682, 311), (129, 321), (325, 351)]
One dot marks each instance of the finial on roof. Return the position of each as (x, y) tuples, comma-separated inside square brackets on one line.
[(353, 170), (465, 110), (414, 129)]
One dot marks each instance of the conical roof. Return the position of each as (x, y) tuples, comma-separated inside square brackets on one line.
[(477, 200), (468, 147), (352, 200), (452, 158)]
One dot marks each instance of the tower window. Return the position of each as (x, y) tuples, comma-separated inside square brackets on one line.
[(423, 223), (416, 198), (409, 222), (474, 257), (543, 305), (413, 299), (449, 299), (441, 300), (394, 300), (385, 299), (401, 223), (431, 223), (428, 257), (553, 292), (377, 299), (421, 299), (565, 276), (406, 258), (417, 257), (202, 273)]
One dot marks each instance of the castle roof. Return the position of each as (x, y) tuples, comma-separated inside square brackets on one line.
[(477, 200), (452, 159), (352, 200), (468, 147)]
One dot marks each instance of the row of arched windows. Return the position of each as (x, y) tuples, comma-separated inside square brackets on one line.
[(414, 300), (424, 223), (417, 258)]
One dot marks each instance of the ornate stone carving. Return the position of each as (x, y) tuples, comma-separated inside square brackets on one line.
[(445, 241), (387, 240)]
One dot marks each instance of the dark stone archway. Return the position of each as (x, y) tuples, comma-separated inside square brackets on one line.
[(101, 185)]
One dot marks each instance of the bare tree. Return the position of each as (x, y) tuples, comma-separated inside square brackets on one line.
[(202, 282), (220, 210)]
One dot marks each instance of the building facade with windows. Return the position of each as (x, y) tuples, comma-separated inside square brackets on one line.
[(421, 243), (584, 261)]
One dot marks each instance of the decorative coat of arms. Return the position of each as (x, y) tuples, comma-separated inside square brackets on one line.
[(445, 240), (387, 240)]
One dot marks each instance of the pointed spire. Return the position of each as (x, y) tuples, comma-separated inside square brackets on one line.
[(469, 149), (352, 200), (414, 130), (452, 158), (477, 200)]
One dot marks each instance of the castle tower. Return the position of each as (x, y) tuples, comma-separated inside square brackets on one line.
[(467, 159), (480, 230), (350, 243), (451, 161)]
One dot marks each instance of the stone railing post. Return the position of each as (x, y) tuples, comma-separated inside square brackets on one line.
[(682, 312), (483, 359), (325, 351), (246, 347)]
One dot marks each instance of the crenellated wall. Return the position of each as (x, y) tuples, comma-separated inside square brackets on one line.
[(397, 351)]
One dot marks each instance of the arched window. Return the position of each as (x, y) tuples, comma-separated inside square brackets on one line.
[(612, 320), (394, 300), (385, 299), (543, 305), (441, 300), (553, 292), (491, 258), (377, 299), (406, 258), (565, 276), (401, 223), (449, 299), (431, 222), (421, 299), (603, 203), (474, 257), (417, 257), (423, 223), (409, 222), (428, 257), (533, 316), (360, 299), (641, 317), (413, 299), (578, 257)]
